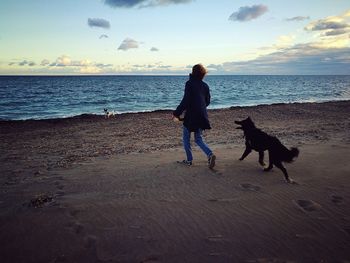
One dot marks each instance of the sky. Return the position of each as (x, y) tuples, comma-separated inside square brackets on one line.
[(167, 37)]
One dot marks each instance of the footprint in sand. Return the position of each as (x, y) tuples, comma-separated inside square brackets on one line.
[(90, 242), (150, 259), (215, 238), (347, 230), (214, 171), (250, 187), (60, 193), (60, 187), (336, 199), (76, 227), (222, 200), (308, 205), (267, 260), (74, 212)]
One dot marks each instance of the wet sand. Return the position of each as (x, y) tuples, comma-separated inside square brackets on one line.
[(90, 189)]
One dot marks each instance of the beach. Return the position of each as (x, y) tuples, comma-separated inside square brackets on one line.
[(96, 189)]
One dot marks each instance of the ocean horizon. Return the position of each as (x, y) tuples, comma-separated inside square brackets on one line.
[(49, 97)]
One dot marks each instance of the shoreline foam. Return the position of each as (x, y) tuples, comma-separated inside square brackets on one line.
[(97, 115)]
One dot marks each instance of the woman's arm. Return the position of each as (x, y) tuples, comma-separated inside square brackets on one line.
[(207, 98), (184, 102)]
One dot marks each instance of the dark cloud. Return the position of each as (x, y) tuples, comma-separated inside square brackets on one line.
[(154, 49), (44, 62), (103, 36), (247, 13), (127, 44), (325, 25), (123, 3), (98, 22), (23, 63), (298, 18), (328, 27), (336, 32), (142, 3)]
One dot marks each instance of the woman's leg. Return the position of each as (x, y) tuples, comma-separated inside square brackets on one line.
[(198, 139), (186, 138)]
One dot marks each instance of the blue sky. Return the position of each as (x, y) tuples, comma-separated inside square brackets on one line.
[(169, 36)]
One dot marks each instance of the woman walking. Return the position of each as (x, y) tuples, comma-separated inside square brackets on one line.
[(194, 103)]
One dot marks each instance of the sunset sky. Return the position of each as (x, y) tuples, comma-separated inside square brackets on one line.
[(73, 37)]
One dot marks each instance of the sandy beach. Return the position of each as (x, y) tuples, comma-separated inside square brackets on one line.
[(90, 189)]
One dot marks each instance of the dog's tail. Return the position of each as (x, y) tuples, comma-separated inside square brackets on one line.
[(291, 154)]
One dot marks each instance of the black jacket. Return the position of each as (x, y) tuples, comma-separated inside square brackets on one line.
[(195, 102)]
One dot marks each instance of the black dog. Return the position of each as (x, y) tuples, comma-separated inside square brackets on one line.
[(256, 139)]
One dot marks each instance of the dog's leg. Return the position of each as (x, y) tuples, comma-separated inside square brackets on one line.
[(261, 158), (270, 163), (284, 170), (246, 152)]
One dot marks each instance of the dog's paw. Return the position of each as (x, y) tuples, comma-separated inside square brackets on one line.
[(241, 159), (262, 164)]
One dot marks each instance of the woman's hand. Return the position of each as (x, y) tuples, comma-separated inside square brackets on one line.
[(175, 119)]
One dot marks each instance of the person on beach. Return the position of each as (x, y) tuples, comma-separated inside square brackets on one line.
[(194, 103)]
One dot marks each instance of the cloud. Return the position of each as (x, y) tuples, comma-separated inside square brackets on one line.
[(336, 32), (23, 63), (164, 66), (62, 61), (298, 18), (83, 66), (325, 25), (247, 13), (103, 36), (154, 49), (142, 3), (151, 68), (298, 59), (327, 53), (331, 26), (127, 44), (44, 62), (99, 22)]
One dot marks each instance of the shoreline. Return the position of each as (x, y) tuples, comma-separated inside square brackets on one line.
[(95, 115), (58, 143)]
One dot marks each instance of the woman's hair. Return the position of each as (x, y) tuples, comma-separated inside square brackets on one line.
[(199, 71)]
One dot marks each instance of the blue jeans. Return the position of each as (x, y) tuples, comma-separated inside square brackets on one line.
[(186, 137)]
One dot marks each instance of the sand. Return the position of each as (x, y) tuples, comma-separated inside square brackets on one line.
[(90, 189)]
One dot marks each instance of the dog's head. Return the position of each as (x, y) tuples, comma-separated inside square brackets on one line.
[(246, 124), (105, 110)]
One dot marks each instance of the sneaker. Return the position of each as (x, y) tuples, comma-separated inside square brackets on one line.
[(211, 161), (185, 162)]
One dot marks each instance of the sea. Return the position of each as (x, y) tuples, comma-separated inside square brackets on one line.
[(48, 97)]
